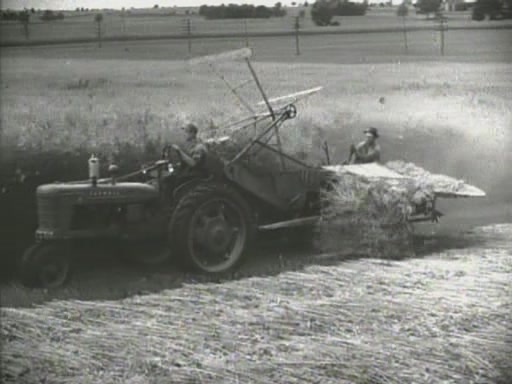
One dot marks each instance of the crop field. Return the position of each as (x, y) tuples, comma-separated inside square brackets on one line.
[(291, 315)]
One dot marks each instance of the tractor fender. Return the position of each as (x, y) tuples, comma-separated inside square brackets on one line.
[(185, 187)]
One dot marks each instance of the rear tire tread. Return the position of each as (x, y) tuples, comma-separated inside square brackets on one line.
[(180, 221)]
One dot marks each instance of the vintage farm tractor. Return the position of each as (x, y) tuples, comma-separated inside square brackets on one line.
[(204, 219)]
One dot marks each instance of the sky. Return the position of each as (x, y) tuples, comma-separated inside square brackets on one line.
[(118, 4)]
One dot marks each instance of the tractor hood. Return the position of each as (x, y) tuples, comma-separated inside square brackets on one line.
[(122, 192)]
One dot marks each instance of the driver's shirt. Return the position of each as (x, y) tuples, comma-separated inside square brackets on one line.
[(196, 150), (369, 153)]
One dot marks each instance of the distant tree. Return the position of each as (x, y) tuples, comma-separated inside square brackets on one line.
[(262, 12), (491, 8), (32, 10), (322, 12), (155, 6), (306, 4), (402, 10), (347, 8), (278, 10), (428, 6), (49, 15), (234, 11)]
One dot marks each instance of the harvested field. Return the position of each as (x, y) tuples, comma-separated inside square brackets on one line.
[(445, 318)]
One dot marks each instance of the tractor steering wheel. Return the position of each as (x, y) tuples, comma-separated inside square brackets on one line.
[(291, 111), (171, 154)]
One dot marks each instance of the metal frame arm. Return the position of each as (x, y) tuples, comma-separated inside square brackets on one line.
[(246, 149), (297, 161)]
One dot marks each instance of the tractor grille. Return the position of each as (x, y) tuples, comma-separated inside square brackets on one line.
[(48, 212)]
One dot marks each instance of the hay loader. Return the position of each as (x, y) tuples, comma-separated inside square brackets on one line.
[(204, 220)]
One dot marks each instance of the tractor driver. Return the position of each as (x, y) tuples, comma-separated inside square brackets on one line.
[(367, 151), (194, 152)]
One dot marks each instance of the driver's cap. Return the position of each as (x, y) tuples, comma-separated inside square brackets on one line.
[(189, 127)]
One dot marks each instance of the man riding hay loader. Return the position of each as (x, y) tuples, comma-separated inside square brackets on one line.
[(367, 151)]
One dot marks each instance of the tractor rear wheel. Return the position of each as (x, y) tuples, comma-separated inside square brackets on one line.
[(45, 265), (211, 228)]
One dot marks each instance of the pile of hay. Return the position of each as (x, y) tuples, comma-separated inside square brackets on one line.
[(425, 179), (367, 217), (446, 318), (370, 215)]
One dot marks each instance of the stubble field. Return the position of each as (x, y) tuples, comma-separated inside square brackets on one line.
[(441, 318)]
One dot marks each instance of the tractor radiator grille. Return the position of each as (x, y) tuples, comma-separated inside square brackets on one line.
[(48, 212)]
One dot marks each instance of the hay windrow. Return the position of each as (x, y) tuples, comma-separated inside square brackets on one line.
[(437, 319)]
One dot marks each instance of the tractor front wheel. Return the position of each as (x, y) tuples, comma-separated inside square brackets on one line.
[(45, 265), (210, 229)]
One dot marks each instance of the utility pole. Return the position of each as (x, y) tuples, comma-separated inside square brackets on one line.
[(405, 36), (187, 27), (296, 26), (98, 19), (246, 33), (25, 20), (123, 21), (442, 29)]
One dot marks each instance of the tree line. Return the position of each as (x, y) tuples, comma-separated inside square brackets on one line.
[(24, 16), (244, 11), (323, 11)]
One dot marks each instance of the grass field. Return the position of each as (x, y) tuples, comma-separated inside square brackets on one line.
[(115, 25), (456, 108)]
